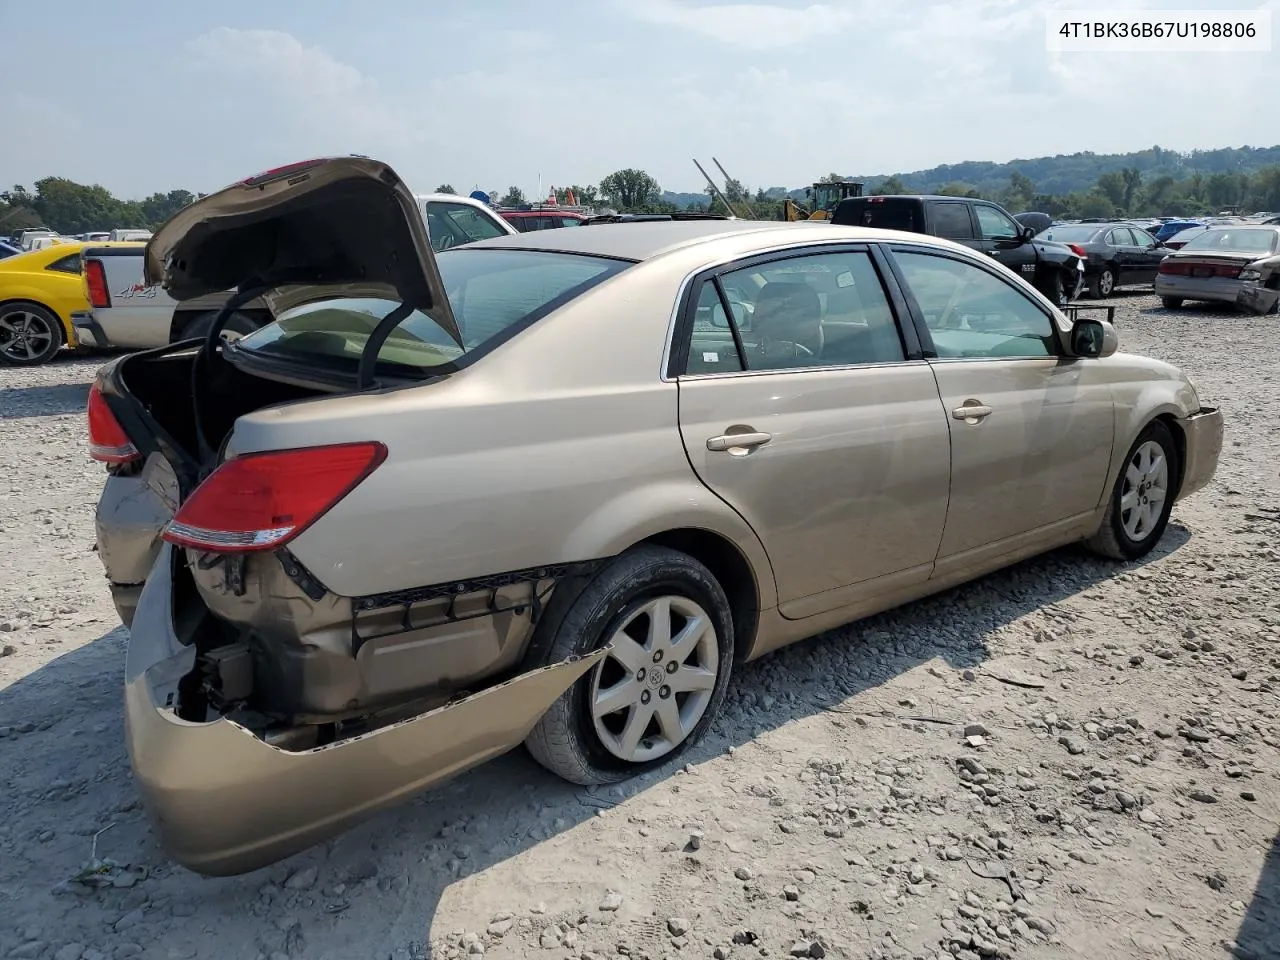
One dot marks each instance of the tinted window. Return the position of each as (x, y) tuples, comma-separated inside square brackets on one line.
[(68, 264), (994, 224), (1121, 237), (815, 311), (1144, 239), (570, 222), (453, 224), (971, 313), (882, 214), (490, 291), (951, 220)]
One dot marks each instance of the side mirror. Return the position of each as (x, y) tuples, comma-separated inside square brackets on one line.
[(1028, 233), (1093, 338)]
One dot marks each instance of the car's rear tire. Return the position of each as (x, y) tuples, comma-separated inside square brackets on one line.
[(1142, 499), (1103, 283), (1171, 303), (1055, 289), (29, 334), (671, 627)]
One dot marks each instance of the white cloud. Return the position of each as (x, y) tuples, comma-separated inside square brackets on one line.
[(755, 26)]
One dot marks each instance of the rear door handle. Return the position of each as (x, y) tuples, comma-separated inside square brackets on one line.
[(971, 411), (732, 441)]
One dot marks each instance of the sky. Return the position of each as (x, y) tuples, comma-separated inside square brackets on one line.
[(144, 96)]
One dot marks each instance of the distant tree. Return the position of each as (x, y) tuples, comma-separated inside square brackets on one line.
[(159, 207), (890, 186), (588, 196), (1096, 204), (1017, 196), (1266, 188), (512, 198), (630, 189), (1111, 186), (445, 188), (1131, 177)]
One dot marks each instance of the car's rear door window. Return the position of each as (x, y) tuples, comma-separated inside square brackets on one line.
[(950, 219), (452, 224), (971, 313), (493, 293), (815, 310)]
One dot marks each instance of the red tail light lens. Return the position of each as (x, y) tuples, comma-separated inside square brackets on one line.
[(95, 284), (261, 501), (1172, 268), (108, 442), (1230, 272), (1078, 250)]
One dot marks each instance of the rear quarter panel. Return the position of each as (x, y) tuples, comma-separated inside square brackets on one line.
[(561, 445)]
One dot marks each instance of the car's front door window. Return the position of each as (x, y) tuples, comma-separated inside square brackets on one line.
[(994, 224), (971, 313)]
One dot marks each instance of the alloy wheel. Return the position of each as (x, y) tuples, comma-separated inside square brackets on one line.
[(1146, 487), (24, 336), (649, 693)]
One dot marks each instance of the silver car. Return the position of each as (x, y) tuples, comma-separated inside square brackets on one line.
[(1209, 266), (552, 488)]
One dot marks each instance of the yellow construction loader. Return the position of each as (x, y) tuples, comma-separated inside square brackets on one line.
[(823, 197)]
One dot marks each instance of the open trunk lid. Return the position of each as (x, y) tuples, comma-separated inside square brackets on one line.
[(336, 226)]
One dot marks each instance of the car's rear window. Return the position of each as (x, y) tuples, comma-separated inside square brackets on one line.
[(886, 214), (1235, 240), (493, 293)]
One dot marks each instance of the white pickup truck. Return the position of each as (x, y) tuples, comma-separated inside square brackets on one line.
[(126, 312)]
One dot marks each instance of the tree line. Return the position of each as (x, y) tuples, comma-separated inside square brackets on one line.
[(69, 207)]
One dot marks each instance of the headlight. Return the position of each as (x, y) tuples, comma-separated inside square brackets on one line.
[(1195, 391), (1250, 273)]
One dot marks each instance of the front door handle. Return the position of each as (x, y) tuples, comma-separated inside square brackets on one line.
[(733, 441), (971, 411)]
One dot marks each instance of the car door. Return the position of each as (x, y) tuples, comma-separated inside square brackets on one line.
[(952, 220), (1031, 429), (1128, 267), (813, 414), (1001, 237), (1147, 257)]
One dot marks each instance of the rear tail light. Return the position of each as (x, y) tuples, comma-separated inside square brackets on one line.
[(1173, 268), (261, 501), (1231, 272), (108, 442), (95, 284), (1078, 250)]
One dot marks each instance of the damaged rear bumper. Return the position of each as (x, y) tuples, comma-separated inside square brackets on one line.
[(226, 802), (1256, 298)]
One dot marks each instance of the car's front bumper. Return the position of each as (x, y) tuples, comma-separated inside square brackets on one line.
[(1215, 289), (1203, 433), (226, 802)]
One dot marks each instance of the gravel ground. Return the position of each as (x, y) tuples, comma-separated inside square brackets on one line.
[(1067, 759)]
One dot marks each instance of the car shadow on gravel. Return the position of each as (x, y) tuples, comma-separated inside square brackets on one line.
[(17, 403), (1259, 935), (61, 746)]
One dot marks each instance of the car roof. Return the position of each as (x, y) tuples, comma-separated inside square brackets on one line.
[(648, 239)]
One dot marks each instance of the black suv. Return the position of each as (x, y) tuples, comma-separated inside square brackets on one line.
[(1052, 268)]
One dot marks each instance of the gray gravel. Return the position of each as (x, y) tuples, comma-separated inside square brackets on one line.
[(883, 791)]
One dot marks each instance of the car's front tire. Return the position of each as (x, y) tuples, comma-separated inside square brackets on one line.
[(661, 685), (29, 334), (1142, 498)]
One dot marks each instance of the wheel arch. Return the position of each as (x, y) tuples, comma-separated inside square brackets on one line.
[(64, 331), (184, 317), (731, 569)]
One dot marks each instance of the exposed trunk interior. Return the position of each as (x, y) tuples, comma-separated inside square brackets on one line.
[(162, 384)]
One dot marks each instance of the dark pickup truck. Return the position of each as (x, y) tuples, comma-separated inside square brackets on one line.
[(1054, 269)]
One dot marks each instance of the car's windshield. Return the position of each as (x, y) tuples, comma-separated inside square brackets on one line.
[(493, 293), (452, 224), (1069, 234), (1233, 240)]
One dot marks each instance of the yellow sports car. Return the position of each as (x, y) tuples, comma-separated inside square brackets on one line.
[(39, 291)]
